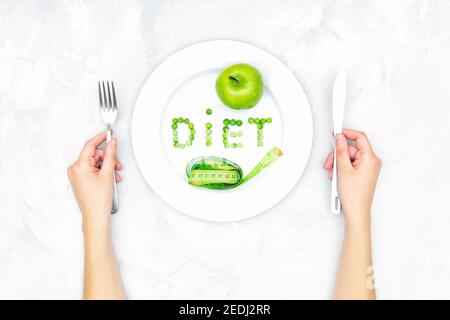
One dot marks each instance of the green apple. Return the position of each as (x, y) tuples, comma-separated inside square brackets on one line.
[(240, 86)]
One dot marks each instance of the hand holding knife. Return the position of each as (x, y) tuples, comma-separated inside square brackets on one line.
[(339, 95)]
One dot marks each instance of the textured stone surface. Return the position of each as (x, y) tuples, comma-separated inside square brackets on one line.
[(53, 52)]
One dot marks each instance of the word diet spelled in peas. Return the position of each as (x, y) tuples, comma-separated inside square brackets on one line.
[(226, 134)]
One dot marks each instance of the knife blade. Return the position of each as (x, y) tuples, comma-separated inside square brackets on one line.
[(339, 97)]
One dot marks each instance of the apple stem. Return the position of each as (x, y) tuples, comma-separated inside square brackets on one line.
[(236, 81)]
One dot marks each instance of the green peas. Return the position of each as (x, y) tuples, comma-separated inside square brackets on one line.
[(208, 134), (226, 134), (260, 126), (174, 126)]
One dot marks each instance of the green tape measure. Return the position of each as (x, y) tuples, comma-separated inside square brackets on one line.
[(220, 173)]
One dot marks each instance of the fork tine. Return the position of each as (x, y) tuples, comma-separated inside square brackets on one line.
[(113, 96), (105, 100), (109, 96), (100, 96)]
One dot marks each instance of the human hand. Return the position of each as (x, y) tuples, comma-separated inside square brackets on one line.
[(91, 177), (358, 168)]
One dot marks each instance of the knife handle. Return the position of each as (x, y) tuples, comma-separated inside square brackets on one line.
[(335, 202)]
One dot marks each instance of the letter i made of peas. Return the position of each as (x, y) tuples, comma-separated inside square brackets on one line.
[(260, 122), (176, 123), (228, 134), (208, 137)]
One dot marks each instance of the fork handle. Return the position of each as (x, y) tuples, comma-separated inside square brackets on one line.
[(115, 203), (335, 202)]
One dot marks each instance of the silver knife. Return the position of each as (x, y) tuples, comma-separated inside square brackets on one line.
[(339, 95)]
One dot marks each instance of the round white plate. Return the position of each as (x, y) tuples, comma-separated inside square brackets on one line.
[(184, 86)]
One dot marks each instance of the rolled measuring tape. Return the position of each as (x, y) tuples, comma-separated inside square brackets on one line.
[(220, 173)]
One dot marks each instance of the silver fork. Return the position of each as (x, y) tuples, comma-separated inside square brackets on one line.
[(108, 109)]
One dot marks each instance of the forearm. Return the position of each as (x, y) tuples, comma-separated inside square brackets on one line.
[(101, 272), (354, 278)]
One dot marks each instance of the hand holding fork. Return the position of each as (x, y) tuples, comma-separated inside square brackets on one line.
[(108, 110)]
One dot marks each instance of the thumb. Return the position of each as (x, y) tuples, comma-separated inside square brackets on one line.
[(342, 156), (109, 159)]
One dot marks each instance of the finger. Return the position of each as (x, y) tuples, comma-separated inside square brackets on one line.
[(92, 162), (358, 159), (362, 143), (342, 156), (118, 178), (91, 145), (328, 164), (359, 155), (109, 158), (99, 158), (352, 152), (99, 155), (119, 165)]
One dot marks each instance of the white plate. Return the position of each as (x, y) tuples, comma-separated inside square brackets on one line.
[(184, 86)]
